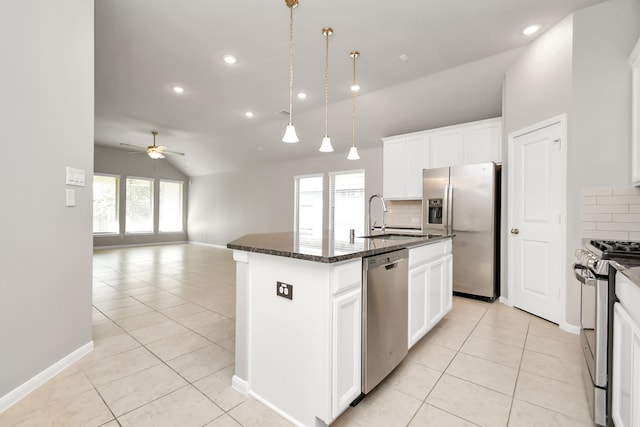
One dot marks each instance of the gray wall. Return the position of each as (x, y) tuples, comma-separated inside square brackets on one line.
[(581, 68), (223, 207), (46, 120), (115, 161)]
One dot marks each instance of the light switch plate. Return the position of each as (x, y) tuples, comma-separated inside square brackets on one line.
[(75, 177), (71, 197)]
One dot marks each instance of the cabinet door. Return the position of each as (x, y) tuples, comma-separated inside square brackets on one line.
[(446, 148), (394, 165), (635, 115), (435, 297), (417, 160), (626, 369), (448, 284), (483, 143), (418, 286), (346, 350)]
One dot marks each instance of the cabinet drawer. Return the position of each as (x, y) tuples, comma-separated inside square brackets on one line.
[(346, 276), (423, 254)]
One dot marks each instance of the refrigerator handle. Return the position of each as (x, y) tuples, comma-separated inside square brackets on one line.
[(446, 208)]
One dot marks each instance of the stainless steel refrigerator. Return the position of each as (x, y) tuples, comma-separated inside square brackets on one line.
[(465, 201)]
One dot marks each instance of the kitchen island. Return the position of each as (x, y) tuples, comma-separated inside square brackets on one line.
[(299, 315)]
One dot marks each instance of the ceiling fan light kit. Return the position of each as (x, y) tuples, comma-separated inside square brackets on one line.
[(154, 151)]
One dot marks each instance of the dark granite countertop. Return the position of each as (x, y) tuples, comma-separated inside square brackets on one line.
[(327, 249)]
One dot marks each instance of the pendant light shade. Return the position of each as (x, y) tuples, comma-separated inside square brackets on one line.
[(326, 146), (353, 152), (290, 132)]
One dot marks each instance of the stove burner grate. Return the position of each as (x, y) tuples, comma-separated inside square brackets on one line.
[(625, 249)]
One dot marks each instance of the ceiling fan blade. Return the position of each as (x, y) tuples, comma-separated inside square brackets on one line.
[(134, 146), (175, 153)]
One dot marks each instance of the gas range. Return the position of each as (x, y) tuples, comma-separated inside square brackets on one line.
[(597, 295), (598, 254)]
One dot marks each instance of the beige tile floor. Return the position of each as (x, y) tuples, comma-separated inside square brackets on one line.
[(163, 329)]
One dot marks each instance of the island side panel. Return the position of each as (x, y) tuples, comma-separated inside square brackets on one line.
[(289, 340), (241, 375)]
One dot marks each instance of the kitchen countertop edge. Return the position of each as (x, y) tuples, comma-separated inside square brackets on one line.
[(409, 242)]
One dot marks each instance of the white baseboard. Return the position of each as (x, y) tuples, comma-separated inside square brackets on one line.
[(239, 385), (17, 394), (134, 245), (209, 244), (574, 329), (505, 301)]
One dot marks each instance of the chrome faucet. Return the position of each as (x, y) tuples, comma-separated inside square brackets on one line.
[(384, 211)]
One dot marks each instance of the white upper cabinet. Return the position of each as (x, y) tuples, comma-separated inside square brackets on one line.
[(483, 142), (404, 159), (405, 156), (635, 115), (447, 148)]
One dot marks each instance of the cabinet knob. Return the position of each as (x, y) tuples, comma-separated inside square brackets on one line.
[(515, 231)]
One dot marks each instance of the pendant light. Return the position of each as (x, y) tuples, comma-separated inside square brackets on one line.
[(326, 146), (290, 132), (353, 152)]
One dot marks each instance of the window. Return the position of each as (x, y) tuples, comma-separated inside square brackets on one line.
[(139, 205), (170, 210), (105, 204), (346, 204), (308, 208)]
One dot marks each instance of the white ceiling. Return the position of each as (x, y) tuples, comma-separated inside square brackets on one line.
[(457, 53)]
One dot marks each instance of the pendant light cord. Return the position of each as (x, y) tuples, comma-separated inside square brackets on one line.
[(290, 63), (326, 84), (354, 55)]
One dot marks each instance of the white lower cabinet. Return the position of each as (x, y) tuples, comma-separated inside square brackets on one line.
[(626, 369), (430, 287), (347, 350)]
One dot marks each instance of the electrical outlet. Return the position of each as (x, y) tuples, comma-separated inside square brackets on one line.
[(284, 290)]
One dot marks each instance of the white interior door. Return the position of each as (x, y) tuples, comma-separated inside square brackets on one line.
[(536, 182)]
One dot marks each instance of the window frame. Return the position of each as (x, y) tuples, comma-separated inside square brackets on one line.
[(153, 207), (182, 224), (332, 227), (118, 185), (296, 201)]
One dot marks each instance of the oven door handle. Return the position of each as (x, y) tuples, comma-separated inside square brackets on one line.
[(582, 273)]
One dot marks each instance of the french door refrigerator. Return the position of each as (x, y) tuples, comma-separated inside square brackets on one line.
[(465, 201)]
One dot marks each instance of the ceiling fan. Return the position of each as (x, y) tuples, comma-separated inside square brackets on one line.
[(154, 151)]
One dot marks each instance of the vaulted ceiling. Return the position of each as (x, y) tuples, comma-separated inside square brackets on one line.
[(423, 64)]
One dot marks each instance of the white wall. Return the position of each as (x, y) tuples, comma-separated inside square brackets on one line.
[(223, 207), (46, 124), (537, 87), (114, 161), (580, 67)]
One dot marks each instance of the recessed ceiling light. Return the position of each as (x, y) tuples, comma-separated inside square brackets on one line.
[(178, 89), (354, 88), (531, 29), (230, 59), (248, 114), (302, 95), (403, 57)]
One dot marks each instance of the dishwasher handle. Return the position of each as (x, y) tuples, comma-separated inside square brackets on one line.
[(391, 265)]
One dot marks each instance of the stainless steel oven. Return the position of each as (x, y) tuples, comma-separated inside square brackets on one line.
[(593, 336), (595, 272)]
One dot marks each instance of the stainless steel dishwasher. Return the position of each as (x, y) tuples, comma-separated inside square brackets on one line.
[(384, 315)]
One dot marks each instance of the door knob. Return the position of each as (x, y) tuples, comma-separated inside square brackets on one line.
[(515, 231)]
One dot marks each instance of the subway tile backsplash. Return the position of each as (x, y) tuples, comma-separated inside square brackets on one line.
[(404, 213), (610, 213)]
